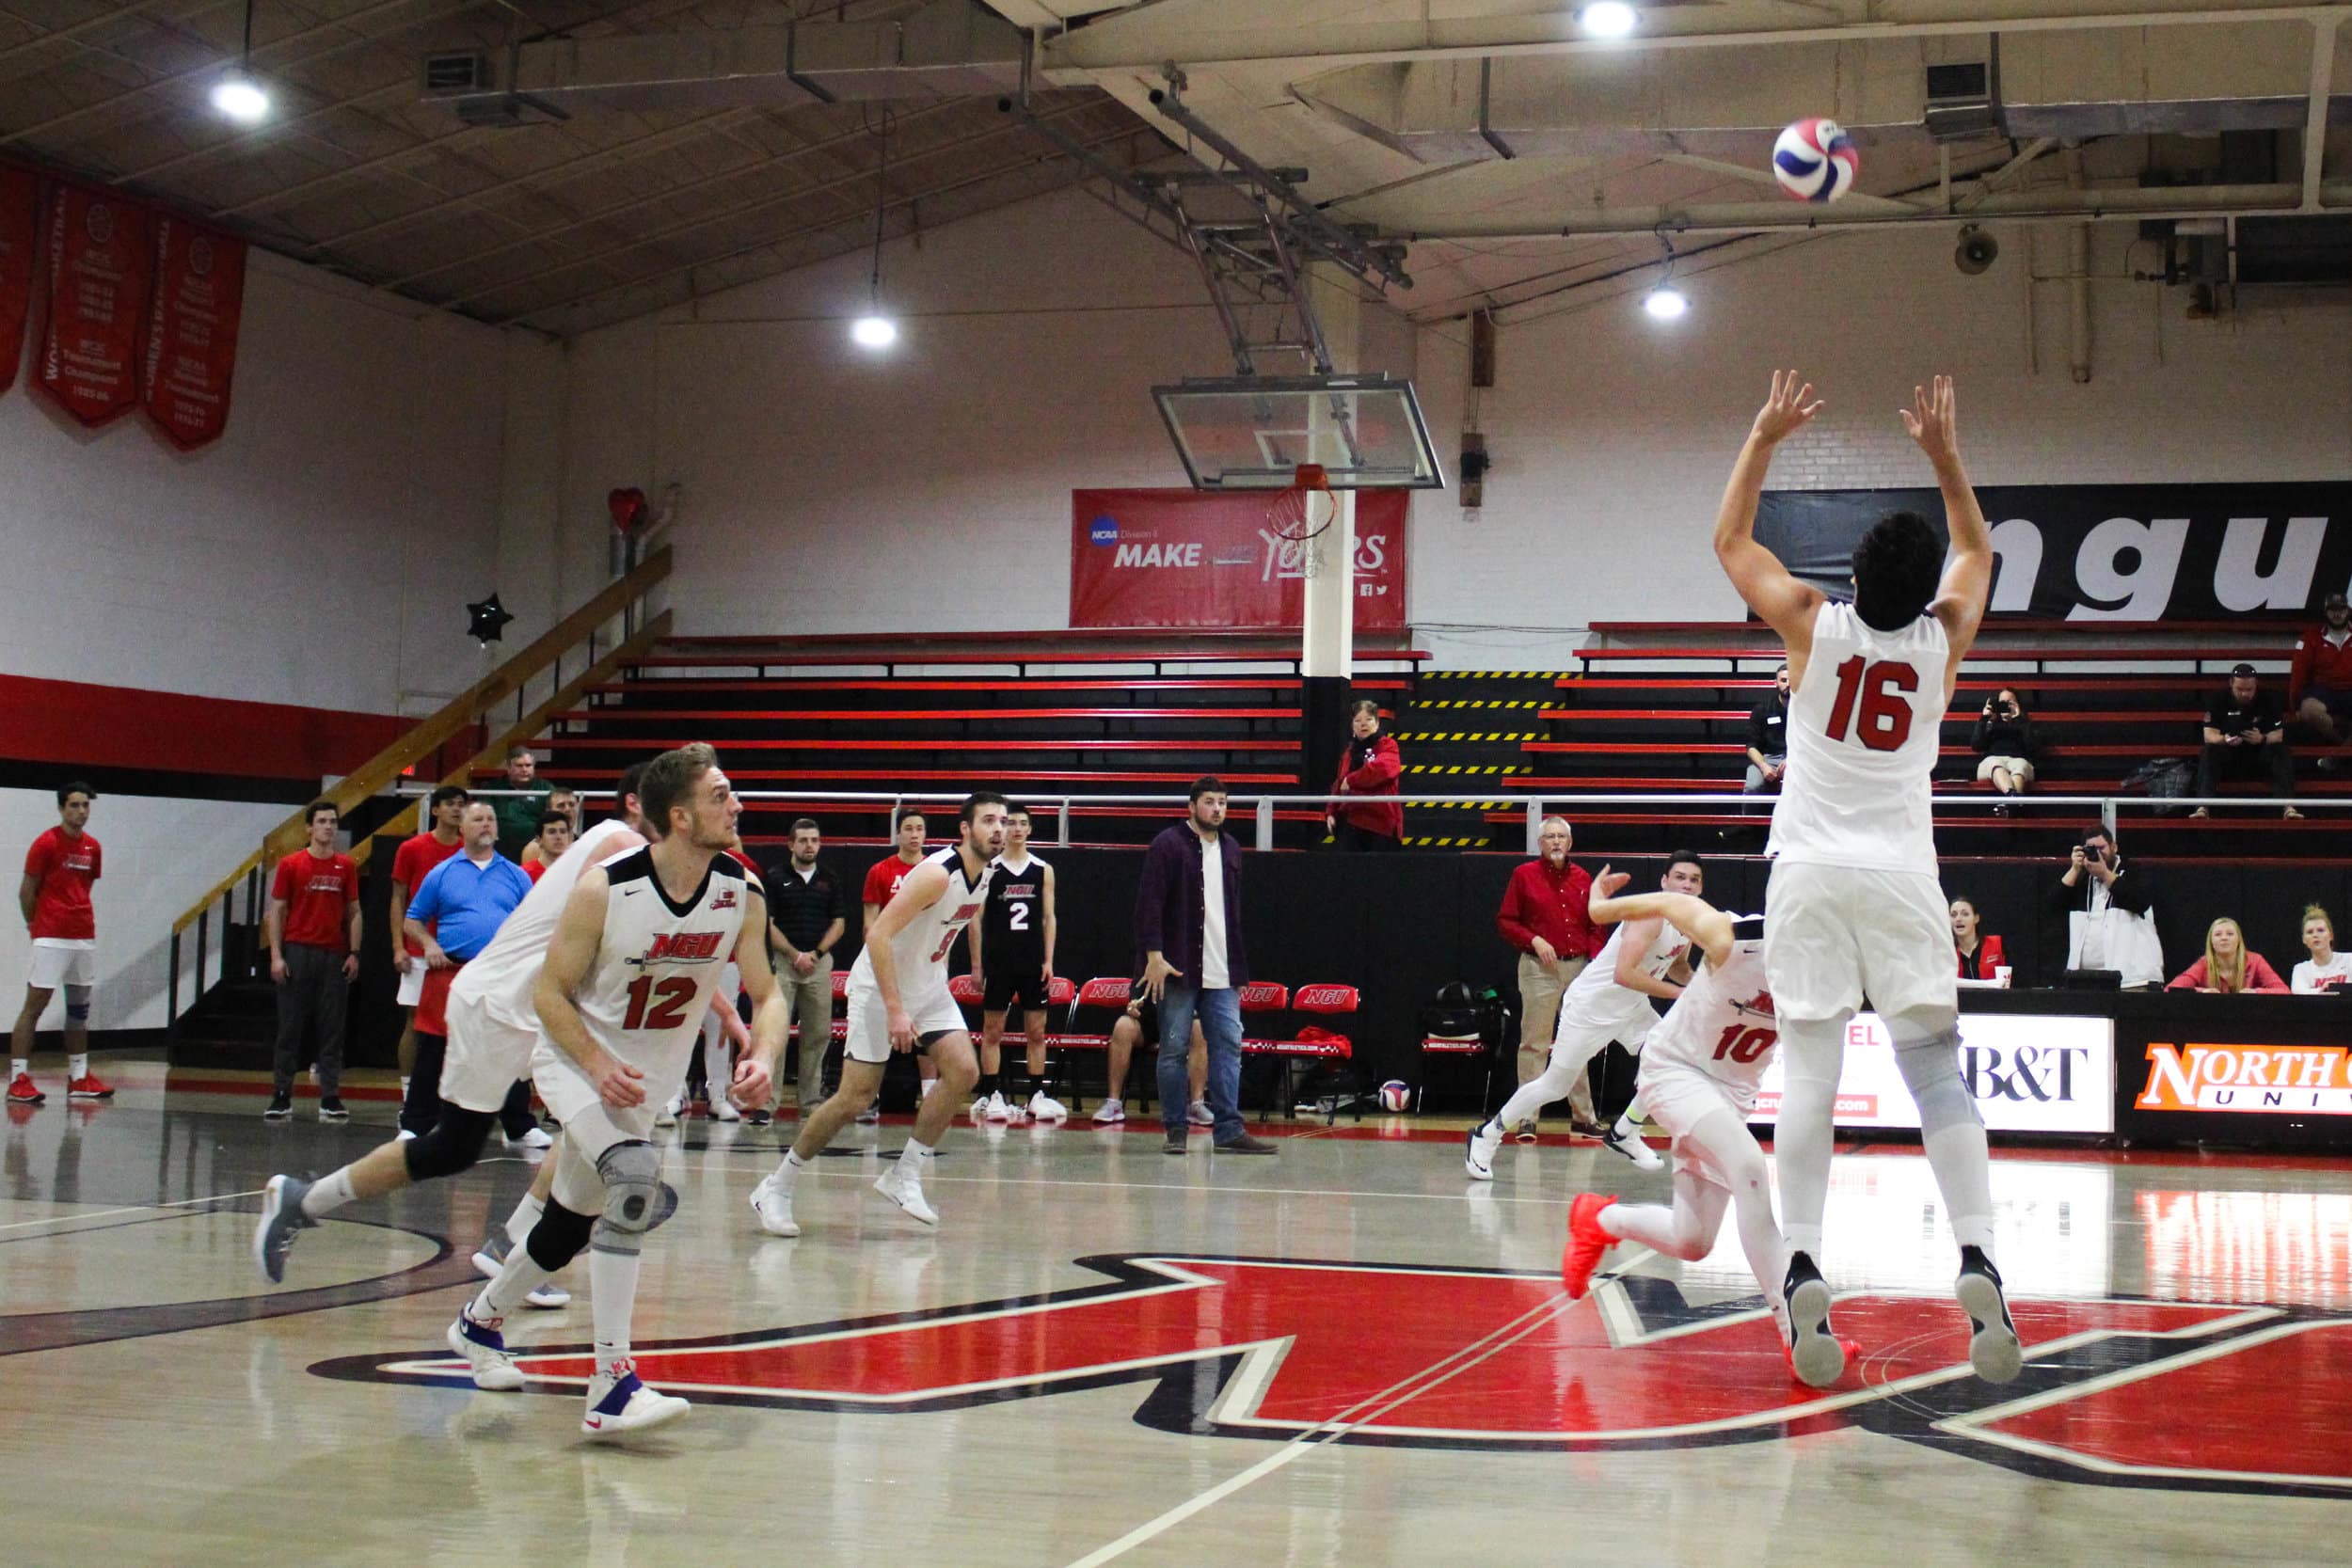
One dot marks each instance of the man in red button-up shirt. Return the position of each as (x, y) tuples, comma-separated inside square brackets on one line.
[(1543, 915)]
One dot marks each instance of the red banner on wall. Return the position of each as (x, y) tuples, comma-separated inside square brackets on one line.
[(20, 207), (191, 331), (99, 263), (1208, 558)]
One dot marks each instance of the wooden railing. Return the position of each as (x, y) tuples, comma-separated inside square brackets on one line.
[(475, 708)]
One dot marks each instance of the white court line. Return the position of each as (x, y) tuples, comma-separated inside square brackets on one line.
[(1363, 1413), (133, 1209), (932, 1179)]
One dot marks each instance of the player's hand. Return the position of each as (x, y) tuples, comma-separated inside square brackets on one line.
[(1789, 409), (751, 1084), (1609, 883), (278, 969), (1048, 974), (902, 1030), (351, 966), (1933, 420), (1157, 973), (618, 1084)]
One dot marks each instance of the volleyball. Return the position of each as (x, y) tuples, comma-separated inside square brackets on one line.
[(1815, 159), (1395, 1095)]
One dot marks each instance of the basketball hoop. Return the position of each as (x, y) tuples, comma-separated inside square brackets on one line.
[(1301, 515)]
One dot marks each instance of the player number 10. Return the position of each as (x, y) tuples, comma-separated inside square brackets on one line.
[(1743, 1043)]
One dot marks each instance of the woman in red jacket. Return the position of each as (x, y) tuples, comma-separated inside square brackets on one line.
[(2228, 965), (1369, 766)]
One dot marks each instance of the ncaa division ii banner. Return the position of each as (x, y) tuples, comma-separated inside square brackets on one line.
[(2106, 552), (101, 250), (20, 201), (1207, 558)]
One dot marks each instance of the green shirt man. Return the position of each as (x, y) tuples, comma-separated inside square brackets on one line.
[(518, 815)]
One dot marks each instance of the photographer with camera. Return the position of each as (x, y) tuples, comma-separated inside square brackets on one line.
[(2110, 912), (2004, 744)]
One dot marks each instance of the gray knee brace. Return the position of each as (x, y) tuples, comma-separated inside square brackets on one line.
[(636, 1199), (77, 1004), (1931, 1070)]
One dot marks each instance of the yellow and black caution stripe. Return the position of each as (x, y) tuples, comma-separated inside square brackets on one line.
[(1466, 769), (1483, 703), (1494, 674), (1464, 806), (1448, 843), (1424, 736)]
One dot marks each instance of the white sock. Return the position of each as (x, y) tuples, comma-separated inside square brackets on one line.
[(403, 1088), (914, 1159), (517, 1277), (19, 1066), (612, 1286), (790, 1167), (329, 1194), (526, 1214), (76, 1069)]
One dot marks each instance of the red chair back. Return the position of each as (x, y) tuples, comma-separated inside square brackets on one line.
[(1265, 996), (1106, 990), (1325, 999)]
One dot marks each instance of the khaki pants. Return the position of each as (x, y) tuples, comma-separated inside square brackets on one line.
[(808, 1001), (1541, 986)]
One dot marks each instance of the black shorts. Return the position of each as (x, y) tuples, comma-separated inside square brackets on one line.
[(1023, 988)]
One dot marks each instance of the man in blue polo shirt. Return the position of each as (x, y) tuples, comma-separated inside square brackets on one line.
[(454, 912)]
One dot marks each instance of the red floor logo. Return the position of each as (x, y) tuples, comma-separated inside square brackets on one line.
[(2125, 1392)]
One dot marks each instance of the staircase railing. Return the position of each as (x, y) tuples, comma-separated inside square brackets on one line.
[(477, 710)]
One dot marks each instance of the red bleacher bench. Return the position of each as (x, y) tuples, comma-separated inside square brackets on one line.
[(1106, 991)]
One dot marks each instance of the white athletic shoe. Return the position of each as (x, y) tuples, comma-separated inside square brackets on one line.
[(622, 1403), (1627, 1142), (492, 1257), (995, 1107), (771, 1200), (1199, 1114), (402, 1135), (535, 1138), (723, 1109), (485, 1350), (869, 1115), (667, 1115), (1109, 1113), (1044, 1107), (902, 1184), (1479, 1146)]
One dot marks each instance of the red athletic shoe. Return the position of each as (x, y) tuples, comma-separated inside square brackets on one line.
[(88, 1088), (20, 1091), (1587, 1241)]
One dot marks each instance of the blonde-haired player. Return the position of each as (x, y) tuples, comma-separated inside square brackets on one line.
[(1699, 1077)]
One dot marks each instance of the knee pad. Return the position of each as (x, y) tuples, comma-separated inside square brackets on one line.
[(77, 1004), (451, 1145), (559, 1237), (636, 1199), (1931, 1070)]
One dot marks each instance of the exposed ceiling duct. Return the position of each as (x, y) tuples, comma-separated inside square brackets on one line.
[(947, 49)]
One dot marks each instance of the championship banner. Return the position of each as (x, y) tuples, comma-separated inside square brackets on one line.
[(19, 198), (191, 331), (1207, 558), (2106, 552), (99, 263)]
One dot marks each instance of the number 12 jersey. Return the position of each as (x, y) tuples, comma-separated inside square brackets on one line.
[(659, 963), (1863, 728)]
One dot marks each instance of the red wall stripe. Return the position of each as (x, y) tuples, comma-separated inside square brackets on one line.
[(115, 726)]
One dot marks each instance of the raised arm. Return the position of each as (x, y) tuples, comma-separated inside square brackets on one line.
[(1786, 605), (1709, 928), (1934, 421)]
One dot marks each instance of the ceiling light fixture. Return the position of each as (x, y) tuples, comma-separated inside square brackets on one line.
[(875, 330), (1606, 19), (1664, 302), (238, 96)]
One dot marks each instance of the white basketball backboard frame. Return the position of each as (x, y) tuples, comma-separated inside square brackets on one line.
[(1252, 432)]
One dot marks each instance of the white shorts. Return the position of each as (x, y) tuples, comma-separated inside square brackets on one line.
[(63, 961), (411, 984), (1679, 1099), (567, 1093), (1834, 936), (869, 1021), (1580, 1036), (485, 1055)]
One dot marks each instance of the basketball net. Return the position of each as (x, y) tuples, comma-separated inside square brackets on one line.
[(1299, 516)]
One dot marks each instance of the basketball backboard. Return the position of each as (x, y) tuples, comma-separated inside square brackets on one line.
[(1252, 432)]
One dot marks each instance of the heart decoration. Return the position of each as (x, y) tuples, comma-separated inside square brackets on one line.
[(628, 508)]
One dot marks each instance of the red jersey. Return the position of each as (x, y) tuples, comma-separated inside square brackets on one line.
[(416, 857), (535, 870), (882, 883), (65, 867), (319, 894)]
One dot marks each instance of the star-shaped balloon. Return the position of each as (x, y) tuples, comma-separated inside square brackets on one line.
[(488, 620)]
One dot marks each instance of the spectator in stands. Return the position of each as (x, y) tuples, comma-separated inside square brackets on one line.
[(2110, 911), (1980, 955), (2228, 966), (2246, 738), (2004, 744), (1768, 739), (519, 812), (563, 801), (312, 928), (806, 919), (1189, 927), (2319, 682), (1546, 914), (54, 900), (411, 863), (1369, 766), (555, 837), (2326, 970)]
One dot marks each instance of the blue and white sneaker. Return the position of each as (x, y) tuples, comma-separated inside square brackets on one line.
[(281, 1221), (491, 1257), (624, 1404), (485, 1350)]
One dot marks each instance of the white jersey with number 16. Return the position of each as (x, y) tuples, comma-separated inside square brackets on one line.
[(1863, 731)]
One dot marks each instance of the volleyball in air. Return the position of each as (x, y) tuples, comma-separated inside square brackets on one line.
[(1815, 159)]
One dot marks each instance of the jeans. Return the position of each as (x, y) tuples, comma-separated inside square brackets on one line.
[(1756, 784), (1219, 1012)]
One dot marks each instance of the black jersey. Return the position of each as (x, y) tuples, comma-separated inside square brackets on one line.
[(1012, 927)]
